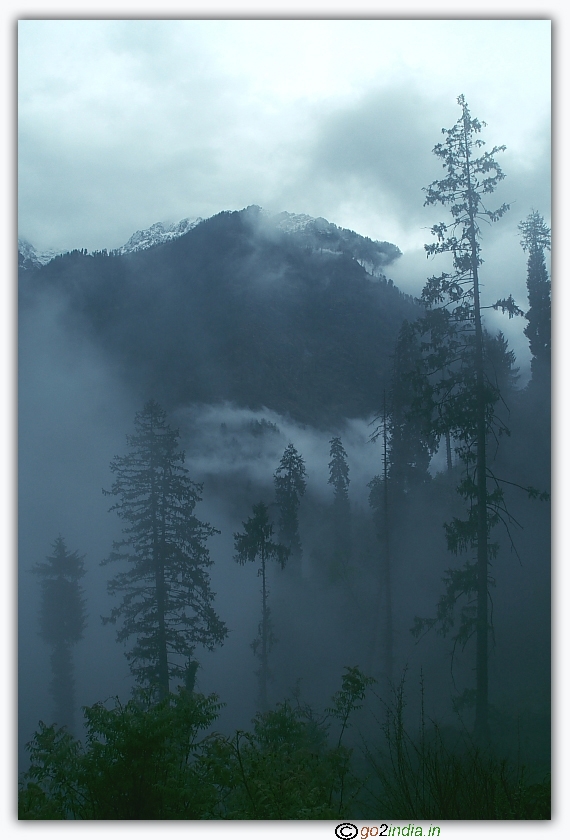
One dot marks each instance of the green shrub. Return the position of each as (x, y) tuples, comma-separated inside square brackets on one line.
[(145, 761), (282, 770), (140, 761)]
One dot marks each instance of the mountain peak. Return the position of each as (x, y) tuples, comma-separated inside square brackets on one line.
[(317, 233), (156, 234), (28, 257), (320, 234)]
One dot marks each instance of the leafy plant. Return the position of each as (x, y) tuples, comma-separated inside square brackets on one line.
[(145, 760), (285, 768), (140, 761)]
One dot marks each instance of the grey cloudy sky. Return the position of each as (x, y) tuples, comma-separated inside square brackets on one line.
[(126, 122), (123, 123)]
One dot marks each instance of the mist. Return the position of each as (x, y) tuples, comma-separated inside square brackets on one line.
[(75, 414)]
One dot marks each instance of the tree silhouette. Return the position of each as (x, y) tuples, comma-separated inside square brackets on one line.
[(411, 440), (379, 500), (338, 477), (62, 622), (290, 486), (535, 238), (255, 544), (459, 395), (167, 603)]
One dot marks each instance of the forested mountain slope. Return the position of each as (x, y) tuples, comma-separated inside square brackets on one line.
[(241, 310)]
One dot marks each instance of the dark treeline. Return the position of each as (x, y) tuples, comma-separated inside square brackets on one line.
[(421, 574)]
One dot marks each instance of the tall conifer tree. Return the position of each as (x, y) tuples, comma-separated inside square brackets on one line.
[(338, 477), (535, 239), (62, 622), (167, 603), (290, 486), (379, 500), (459, 393), (255, 543)]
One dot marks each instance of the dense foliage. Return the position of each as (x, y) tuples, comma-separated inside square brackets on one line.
[(161, 761), (440, 774), (145, 760), (535, 239), (341, 522)]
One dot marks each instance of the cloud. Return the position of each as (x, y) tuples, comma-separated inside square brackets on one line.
[(377, 153), (125, 123), (227, 441), (381, 145)]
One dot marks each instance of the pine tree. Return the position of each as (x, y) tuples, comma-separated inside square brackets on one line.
[(338, 471), (62, 622), (535, 238), (379, 501), (500, 367), (253, 544), (458, 393), (167, 603), (338, 477), (412, 441), (290, 486)]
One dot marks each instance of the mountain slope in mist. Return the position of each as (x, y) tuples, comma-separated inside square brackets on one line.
[(241, 308)]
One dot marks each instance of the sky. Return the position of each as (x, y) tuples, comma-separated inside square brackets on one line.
[(122, 123)]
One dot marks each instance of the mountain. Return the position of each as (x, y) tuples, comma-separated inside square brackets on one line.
[(29, 258), (276, 311), (156, 235), (317, 233), (314, 233)]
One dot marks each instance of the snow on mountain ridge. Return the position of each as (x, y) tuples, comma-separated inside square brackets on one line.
[(156, 234), (315, 233), (28, 257), (297, 222), (323, 235)]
